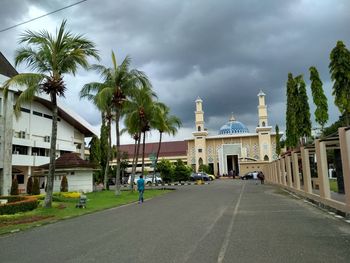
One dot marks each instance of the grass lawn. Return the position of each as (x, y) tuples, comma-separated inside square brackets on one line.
[(64, 209), (333, 185)]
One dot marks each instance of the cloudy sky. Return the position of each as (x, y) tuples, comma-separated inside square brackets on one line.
[(224, 51)]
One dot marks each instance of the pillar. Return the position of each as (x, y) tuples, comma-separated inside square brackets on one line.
[(305, 160), (295, 165), (283, 171), (344, 141), (322, 169), (289, 172)]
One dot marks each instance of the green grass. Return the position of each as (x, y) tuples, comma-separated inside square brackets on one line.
[(96, 201), (333, 185)]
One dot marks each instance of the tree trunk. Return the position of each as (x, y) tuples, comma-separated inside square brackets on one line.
[(105, 177), (136, 161), (117, 177), (51, 174), (132, 176), (143, 152), (156, 161)]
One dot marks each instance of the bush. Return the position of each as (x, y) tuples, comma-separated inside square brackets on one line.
[(166, 169), (205, 168), (30, 186), (182, 172), (64, 184), (18, 204), (14, 187), (36, 187)]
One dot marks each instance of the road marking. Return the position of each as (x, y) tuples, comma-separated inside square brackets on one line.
[(229, 230)]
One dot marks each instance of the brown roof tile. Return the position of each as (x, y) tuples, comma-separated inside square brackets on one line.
[(175, 148), (69, 160)]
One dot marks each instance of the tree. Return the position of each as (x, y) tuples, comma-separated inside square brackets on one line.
[(52, 57), (138, 113), (95, 150), (181, 171), (64, 184), (339, 69), (303, 109), (166, 170), (30, 185), (278, 138), (291, 126), (91, 91), (14, 187), (164, 122), (119, 81), (320, 100), (36, 186)]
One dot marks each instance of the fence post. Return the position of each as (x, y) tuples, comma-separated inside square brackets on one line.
[(295, 164), (344, 142), (305, 159), (322, 169)]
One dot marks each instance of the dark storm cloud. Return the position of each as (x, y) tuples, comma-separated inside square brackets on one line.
[(222, 51)]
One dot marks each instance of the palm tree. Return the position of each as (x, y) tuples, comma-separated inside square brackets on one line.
[(164, 122), (52, 57), (91, 91), (120, 82), (138, 112)]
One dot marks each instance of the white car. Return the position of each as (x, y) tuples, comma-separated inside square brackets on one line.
[(147, 178)]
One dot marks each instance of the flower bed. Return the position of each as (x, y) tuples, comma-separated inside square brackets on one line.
[(18, 204)]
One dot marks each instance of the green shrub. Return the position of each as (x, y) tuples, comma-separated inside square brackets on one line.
[(181, 171), (30, 186), (166, 169), (18, 204), (36, 187), (64, 184), (14, 187)]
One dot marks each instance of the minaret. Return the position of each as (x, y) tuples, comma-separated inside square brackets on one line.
[(263, 130), (200, 135), (262, 110)]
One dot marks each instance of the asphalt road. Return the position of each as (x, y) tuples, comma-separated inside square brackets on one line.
[(226, 221)]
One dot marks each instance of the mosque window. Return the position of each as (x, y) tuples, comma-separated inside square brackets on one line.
[(266, 158), (199, 128), (199, 150), (263, 124)]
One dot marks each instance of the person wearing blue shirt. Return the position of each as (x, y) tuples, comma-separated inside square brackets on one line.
[(141, 188)]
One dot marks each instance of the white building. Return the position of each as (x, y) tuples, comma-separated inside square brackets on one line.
[(25, 142)]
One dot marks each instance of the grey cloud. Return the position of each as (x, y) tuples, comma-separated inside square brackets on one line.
[(224, 51)]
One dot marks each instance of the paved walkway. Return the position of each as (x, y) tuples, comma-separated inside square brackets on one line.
[(226, 221)]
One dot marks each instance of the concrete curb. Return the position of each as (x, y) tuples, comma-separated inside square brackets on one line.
[(172, 184)]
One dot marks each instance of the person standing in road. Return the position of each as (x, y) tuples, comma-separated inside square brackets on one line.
[(141, 188), (261, 176)]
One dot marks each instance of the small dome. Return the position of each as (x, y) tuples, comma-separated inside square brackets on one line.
[(233, 127)]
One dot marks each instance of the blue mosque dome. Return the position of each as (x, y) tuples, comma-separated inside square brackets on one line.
[(233, 127)]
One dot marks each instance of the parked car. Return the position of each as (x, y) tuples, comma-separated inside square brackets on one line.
[(148, 179), (200, 176), (250, 175), (211, 177)]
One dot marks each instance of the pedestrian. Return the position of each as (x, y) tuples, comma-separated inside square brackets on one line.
[(141, 188), (261, 176)]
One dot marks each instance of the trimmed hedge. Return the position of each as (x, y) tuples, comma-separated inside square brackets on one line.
[(18, 204)]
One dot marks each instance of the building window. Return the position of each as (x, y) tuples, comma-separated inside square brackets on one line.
[(266, 158), (19, 177), (19, 149), (263, 124), (37, 113), (25, 110), (199, 128), (199, 150), (47, 116)]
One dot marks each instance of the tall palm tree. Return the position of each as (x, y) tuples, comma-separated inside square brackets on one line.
[(138, 112), (91, 92), (120, 82), (52, 57), (164, 122)]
